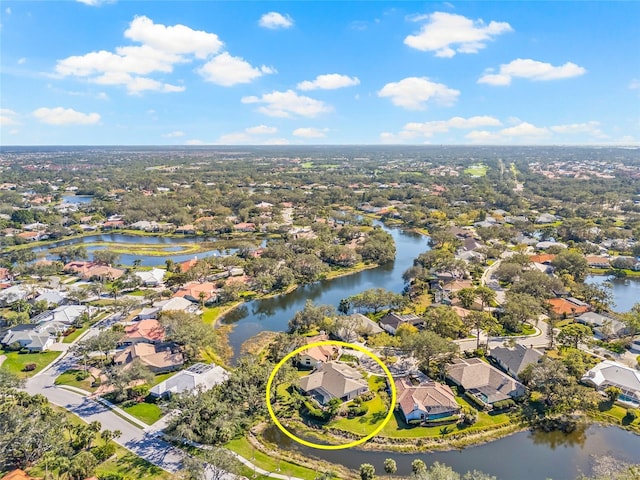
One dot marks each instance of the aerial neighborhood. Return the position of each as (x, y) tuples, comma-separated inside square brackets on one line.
[(167, 300)]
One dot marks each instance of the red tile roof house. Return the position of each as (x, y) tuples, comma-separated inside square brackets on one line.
[(568, 306), (192, 290), (245, 227), (426, 401), (147, 331), (113, 225)]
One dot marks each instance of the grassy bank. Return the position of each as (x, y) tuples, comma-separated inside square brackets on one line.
[(16, 362)]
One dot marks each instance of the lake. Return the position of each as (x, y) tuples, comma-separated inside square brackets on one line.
[(274, 313), (626, 291), (166, 244), (523, 456), (77, 199)]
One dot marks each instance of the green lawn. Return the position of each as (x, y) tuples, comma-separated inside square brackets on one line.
[(15, 361), (262, 460), (69, 378), (76, 333), (396, 428), (161, 377), (149, 413), (476, 170)]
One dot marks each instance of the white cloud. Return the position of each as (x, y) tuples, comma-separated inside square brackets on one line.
[(22, 61), (428, 129), (177, 39), (531, 69), (286, 104), (329, 81), (226, 70), (413, 92), (174, 134), (8, 117), (275, 20), (261, 130), (7, 10), (310, 132), (524, 129), (162, 48), (448, 33), (65, 116), (591, 128), (634, 84), (234, 138)]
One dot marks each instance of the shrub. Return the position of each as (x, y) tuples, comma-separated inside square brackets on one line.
[(632, 415), (367, 396), (504, 404), (357, 410), (111, 476), (82, 374), (469, 418), (30, 367), (475, 401), (104, 452)]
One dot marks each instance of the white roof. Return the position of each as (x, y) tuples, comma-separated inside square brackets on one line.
[(197, 375), (154, 275), (65, 314), (176, 303), (613, 373)]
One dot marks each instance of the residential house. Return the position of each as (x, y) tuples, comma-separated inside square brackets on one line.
[(66, 314), (113, 225), (33, 337), (543, 258), (391, 321), (568, 306), (545, 245), (151, 278), (425, 401), (515, 360), (245, 227), (197, 376), (314, 356), (485, 382), (92, 270), (360, 325), (175, 304), (159, 358), (198, 292), (13, 294), (147, 331), (613, 374), (188, 264), (603, 326), (598, 261), (186, 229), (18, 474), (148, 312), (52, 297), (334, 380)]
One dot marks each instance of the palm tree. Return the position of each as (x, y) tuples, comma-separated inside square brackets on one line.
[(390, 466)]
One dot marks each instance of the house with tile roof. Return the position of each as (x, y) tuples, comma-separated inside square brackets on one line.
[(148, 331), (334, 380), (159, 358), (612, 374), (515, 360), (391, 321), (428, 400), (198, 376), (485, 382)]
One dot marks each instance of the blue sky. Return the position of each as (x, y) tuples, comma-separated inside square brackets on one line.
[(95, 72)]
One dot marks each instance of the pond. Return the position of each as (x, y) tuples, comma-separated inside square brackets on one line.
[(274, 313), (77, 199), (523, 456), (166, 244), (626, 291)]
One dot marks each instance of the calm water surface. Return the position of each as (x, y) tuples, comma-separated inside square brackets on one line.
[(274, 313), (626, 291), (522, 456)]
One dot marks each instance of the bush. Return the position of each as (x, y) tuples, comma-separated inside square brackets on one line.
[(367, 396), (357, 410), (111, 476), (81, 375), (632, 415), (469, 418), (30, 367), (504, 404), (104, 452), (479, 404)]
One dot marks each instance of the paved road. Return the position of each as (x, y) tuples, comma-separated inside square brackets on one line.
[(142, 443)]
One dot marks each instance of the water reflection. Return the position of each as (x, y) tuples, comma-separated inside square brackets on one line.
[(556, 439)]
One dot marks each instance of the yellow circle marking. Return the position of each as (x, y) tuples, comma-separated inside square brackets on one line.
[(352, 346)]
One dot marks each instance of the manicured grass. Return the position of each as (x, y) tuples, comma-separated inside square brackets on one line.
[(69, 378), (262, 460), (149, 413), (396, 428), (476, 170), (365, 424), (76, 333), (15, 362), (161, 377), (341, 272)]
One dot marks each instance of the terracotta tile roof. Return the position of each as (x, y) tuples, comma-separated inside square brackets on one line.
[(542, 258), (561, 306), (148, 329), (18, 474)]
